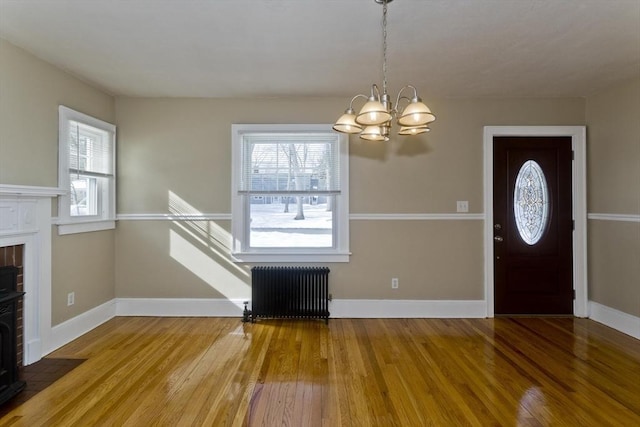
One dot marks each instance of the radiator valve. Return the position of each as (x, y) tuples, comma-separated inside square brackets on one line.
[(246, 314)]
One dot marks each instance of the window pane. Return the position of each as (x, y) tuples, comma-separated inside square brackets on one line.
[(273, 222), (531, 202), (83, 195), (290, 162), (89, 149)]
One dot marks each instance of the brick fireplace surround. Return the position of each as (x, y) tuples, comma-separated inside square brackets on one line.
[(11, 256)]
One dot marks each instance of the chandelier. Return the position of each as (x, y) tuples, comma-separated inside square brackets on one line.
[(373, 122)]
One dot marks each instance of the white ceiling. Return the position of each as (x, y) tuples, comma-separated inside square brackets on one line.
[(278, 48)]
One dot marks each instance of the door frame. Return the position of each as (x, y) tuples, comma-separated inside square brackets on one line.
[(579, 207)]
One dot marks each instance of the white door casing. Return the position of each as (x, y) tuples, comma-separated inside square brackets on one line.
[(579, 202)]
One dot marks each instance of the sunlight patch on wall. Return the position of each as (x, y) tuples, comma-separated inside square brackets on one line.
[(206, 232), (205, 229), (203, 266), (219, 250), (203, 247)]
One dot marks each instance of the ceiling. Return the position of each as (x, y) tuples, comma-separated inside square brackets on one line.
[(284, 48)]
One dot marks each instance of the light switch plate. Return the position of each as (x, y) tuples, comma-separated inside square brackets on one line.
[(462, 206)]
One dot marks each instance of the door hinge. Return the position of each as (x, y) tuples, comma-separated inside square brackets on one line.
[(573, 224), (573, 155), (574, 294)]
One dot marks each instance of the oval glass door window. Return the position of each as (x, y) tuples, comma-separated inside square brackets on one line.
[(531, 202)]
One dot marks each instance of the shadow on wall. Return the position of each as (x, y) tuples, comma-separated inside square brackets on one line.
[(203, 248), (411, 146), (408, 146)]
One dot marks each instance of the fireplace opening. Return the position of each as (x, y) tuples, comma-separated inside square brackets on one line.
[(10, 384)]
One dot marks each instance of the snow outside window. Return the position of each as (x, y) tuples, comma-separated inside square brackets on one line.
[(289, 193), (86, 172)]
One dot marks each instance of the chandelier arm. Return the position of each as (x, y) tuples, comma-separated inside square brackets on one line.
[(375, 92), (398, 99), (356, 97), (415, 94)]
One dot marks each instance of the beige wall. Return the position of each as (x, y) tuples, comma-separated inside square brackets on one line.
[(30, 92), (82, 263), (178, 151), (614, 265), (613, 119)]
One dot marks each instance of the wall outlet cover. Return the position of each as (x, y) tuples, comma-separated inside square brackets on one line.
[(462, 206)]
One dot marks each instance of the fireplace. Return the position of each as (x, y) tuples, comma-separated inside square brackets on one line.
[(25, 222), (13, 256), (10, 385)]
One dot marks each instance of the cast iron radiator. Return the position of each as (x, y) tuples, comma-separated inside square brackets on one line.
[(289, 292)]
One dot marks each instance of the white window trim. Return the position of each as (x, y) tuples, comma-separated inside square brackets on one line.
[(239, 210), (65, 222)]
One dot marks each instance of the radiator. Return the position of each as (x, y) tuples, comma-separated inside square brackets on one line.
[(289, 292)]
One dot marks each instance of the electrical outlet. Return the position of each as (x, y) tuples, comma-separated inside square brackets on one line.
[(394, 283), (71, 298), (462, 206)]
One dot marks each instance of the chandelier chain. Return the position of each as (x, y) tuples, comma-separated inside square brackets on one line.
[(384, 46)]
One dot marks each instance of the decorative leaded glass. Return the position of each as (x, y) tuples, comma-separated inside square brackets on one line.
[(531, 202)]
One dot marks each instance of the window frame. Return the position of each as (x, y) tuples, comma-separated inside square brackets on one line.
[(105, 219), (240, 209)]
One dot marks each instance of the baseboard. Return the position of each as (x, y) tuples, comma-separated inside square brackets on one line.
[(67, 331), (179, 307), (362, 308), (341, 308), (71, 329), (616, 319)]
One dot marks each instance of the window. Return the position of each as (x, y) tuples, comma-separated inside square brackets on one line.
[(531, 202), (290, 194), (86, 157)]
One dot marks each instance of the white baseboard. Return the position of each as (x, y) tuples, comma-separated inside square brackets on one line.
[(32, 351), (179, 307), (71, 329), (67, 331), (362, 308), (615, 319), (341, 308)]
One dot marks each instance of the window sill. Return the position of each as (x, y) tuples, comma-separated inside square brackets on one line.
[(85, 226), (251, 257)]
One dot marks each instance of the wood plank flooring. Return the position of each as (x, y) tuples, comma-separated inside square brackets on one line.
[(39, 376), (353, 372)]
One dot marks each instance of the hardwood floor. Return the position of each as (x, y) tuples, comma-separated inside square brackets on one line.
[(374, 372), (39, 376)]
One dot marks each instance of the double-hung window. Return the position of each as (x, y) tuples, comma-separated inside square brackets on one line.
[(290, 199), (86, 156)]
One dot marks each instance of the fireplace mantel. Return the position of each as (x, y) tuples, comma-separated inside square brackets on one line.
[(25, 219), (29, 191)]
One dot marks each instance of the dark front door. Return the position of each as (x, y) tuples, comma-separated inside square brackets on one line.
[(532, 225)]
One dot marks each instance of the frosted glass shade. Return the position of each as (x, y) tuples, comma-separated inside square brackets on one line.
[(413, 130), (347, 123), (373, 113), (416, 114), (374, 133)]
